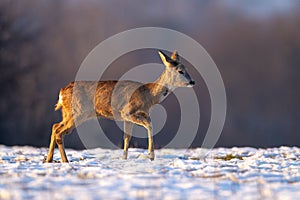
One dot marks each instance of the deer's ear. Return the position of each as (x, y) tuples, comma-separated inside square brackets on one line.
[(175, 56), (165, 59)]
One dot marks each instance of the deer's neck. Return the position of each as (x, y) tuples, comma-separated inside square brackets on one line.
[(163, 85)]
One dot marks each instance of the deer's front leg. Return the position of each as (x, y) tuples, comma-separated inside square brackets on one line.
[(143, 119), (127, 135), (150, 142), (148, 125)]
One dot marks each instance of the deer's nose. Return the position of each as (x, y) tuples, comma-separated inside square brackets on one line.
[(192, 82)]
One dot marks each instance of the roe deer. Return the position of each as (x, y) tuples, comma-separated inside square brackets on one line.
[(126, 101)]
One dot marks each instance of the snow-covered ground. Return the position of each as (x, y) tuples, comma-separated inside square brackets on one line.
[(236, 173)]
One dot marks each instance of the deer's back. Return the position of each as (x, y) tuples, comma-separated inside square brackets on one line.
[(110, 99)]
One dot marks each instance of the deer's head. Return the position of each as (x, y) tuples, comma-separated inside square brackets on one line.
[(176, 73)]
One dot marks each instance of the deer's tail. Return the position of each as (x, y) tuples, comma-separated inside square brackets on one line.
[(59, 102)]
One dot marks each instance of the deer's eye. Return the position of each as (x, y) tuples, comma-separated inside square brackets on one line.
[(180, 72)]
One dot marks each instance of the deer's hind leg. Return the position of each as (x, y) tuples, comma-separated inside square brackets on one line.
[(59, 139), (51, 146), (60, 131), (56, 138), (127, 135)]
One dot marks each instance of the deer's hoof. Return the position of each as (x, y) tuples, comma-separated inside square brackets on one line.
[(47, 160), (125, 155), (151, 155)]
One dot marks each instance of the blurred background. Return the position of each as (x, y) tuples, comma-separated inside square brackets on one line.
[(255, 44)]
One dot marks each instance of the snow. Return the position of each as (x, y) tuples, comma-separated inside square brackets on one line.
[(226, 173)]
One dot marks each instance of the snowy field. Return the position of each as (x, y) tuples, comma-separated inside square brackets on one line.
[(236, 173)]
